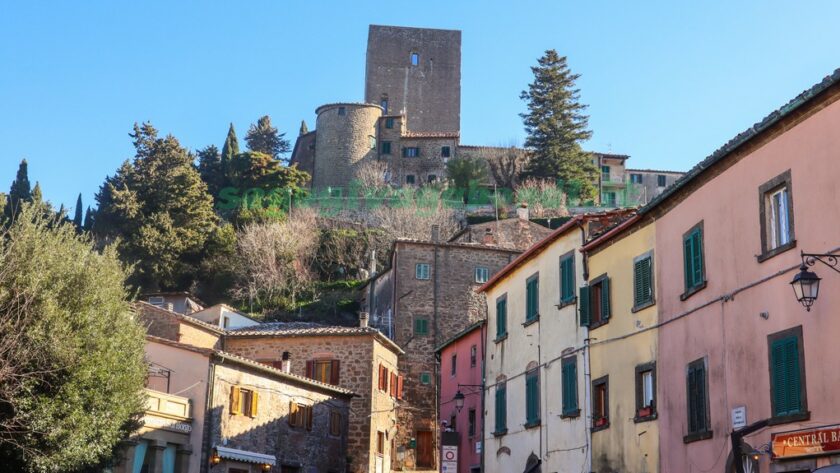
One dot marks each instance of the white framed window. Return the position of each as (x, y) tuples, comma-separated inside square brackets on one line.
[(421, 271), (482, 275), (647, 388), (779, 218)]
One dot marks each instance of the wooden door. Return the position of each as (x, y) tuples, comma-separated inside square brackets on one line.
[(425, 449)]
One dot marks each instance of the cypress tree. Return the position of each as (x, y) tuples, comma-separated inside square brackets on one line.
[(230, 149), (264, 138), (20, 191), (77, 216), (556, 126), (88, 220), (37, 196), (303, 128)]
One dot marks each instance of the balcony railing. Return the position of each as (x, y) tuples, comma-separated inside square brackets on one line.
[(612, 179)]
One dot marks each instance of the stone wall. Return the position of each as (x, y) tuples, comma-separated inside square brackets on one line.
[(176, 327), (429, 92), (343, 142), (269, 431), (514, 233), (359, 357)]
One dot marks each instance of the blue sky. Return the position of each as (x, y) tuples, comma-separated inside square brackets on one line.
[(667, 82)]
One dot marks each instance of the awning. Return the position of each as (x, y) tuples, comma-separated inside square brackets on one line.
[(245, 456)]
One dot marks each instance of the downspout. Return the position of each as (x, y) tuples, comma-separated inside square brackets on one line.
[(436, 342), (483, 385), (206, 436), (587, 373)]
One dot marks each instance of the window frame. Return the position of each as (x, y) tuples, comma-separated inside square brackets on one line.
[(389, 122), (639, 305), (706, 432), (425, 375), (697, 286), (589, 289), (335, 423), (411, 152), (473, 356), (663, 179), (418, 273), (342, 111), (501, 334), (803, 414), (597, 383), (385, 147), (500, 415), (414, 59), (486, 272), (445, 152), (410, 180), (567, 411), (766, 190), (421, 327), (471, 422), (530, 317), (640, 392), (636, 178), (569, 256), (453, 367)]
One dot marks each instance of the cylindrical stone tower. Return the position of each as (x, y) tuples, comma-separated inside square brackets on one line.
[(346, 137)]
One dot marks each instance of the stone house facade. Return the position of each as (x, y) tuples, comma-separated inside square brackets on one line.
[(259, 415), (358, 359), (164, 323), (430, 298)]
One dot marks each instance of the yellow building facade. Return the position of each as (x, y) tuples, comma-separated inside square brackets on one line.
[(619, 307)]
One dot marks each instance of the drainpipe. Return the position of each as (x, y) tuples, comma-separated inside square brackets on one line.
[(436, 238), (587, 398), (206, 436), (483, 387)]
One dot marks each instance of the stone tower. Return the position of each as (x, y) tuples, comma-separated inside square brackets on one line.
[(416, 71)]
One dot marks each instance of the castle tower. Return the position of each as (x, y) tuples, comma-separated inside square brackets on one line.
[(346, 137), (418, 71)]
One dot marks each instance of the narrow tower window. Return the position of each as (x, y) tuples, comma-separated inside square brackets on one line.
[(415, 59)]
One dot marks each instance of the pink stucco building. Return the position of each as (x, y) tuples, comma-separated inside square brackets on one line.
[(736, 347), (461, 362)]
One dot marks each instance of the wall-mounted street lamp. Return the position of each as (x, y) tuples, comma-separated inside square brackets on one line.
[(459, 396), (806, 284)]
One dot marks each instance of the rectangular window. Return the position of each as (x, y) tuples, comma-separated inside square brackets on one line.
[(570, 389), (243, 401), (380, 443), (325, 371), (601, 403), (595, 304), (384, 104), (501, 409), (415, 59), (609, 199), (501, 317), (300, 415), (532, 398), (787, 373), (335, 423), (389, 123), (394, 386), (482, 275), (473, 356), (646, 391), (425, 378), (567, 278), (660, 180), (532, 298), (697, 391), (445, 151), (693, 266), (471, 423), (432, 178), (342, 111), (776, 213), (411, 152), (421, 327), (454, 366), (409, 179), (605, 173), (422, 270), (372, 142), (636, 178), (386, 147), (383, 378), (643, 281)]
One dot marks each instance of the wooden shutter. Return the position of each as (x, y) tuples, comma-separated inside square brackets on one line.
[(235, 400), (638, 292), (532, 398), (255, 399), (787, 386), (687, 260), (585, 308), (400, 382), (605, 299), (381, 376), (310, 369), (293, 409), (405, 152), (308, 412), (394, 385), (697, 421), (569, 379), (567, 280), (335, 367), (501, 318), (501, 408), (697, 256)]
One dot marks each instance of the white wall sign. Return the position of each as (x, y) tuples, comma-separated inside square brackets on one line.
[(449, 467), (478, 447), (450, 453), (739, 417)]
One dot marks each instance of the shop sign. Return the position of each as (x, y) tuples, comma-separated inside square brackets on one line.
[(166, 424), (807, 442)]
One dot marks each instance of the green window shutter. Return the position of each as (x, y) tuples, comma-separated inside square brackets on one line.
[(421, 326), (584, 306), (501, 408), (687, 260), (697, 257), (794, 383), (638, 293), (501, 318), (532, 410), (697, 421), (567, 280), (531, 299), (605, 299), (647, 280), (569, 379), (786, 378)]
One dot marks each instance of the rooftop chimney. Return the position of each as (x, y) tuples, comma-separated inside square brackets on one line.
[(435, 233), (522, 212), (363, 319), (488, 238), (286, 364)]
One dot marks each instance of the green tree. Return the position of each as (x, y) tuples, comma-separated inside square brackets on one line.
[(159, 208), (72, 353), (556, 126), (20, 191), (2, 205), (77, 213), (265, 186), (210, 169), (303, 128), (466, 173), (88, 225), (229, 150), (264, 138)]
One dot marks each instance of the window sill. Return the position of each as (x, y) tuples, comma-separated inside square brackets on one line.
[(567, 303), (604, 426), (531, 425), (775, 251), (499, 433), (649, 418), (500, 339), (599, 324), (642, 306), (785, 419), (571, 414), (694, 290), (531, 321), (697, 436)]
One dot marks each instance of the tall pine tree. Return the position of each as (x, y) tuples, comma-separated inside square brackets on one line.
[(210, 169), (229, 150), (88, 220), (264, 138), (19, 192), (556, 126), (77, 215)]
